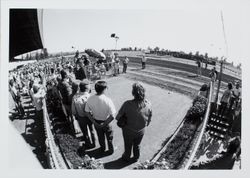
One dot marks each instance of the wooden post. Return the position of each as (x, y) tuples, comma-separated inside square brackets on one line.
[(219, 83)]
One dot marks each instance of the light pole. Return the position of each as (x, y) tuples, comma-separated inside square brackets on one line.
[(113, 35), (116, 39)]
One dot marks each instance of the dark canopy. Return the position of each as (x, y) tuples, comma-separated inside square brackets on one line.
[(24, 32)]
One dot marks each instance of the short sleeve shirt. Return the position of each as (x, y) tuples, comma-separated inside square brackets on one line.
[(78, 103), (100, 106)]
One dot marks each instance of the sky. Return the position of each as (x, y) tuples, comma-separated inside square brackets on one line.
[(178, 30)]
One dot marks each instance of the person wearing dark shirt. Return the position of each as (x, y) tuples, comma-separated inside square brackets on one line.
[(66, 92), (198, 67), (137, 113), (80, 72)]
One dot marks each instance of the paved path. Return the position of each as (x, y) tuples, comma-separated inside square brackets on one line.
[(169, 109)]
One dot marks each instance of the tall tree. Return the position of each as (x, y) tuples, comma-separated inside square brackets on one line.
[(156, 49), (206, 56)]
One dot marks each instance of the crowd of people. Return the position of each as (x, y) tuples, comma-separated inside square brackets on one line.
[(231, 99), (67, 84)]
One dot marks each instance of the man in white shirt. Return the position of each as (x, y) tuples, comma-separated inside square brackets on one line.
[(101, 112)]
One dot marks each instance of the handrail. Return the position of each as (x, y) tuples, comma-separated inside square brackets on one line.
[(56, 161), (188, 164)]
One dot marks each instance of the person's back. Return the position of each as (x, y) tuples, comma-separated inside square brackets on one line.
[(137, 114), (81, 72), (78, 103), (101, 110), (65, 89), (100, 106)]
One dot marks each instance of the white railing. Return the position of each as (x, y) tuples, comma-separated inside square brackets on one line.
[(55, 157), (203, 129)]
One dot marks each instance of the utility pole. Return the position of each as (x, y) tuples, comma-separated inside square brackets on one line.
[(219, 83)]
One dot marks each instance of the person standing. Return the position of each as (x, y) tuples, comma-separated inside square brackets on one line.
[(125, 64), (80, 72), (225, 100), (116, 65), (78, 110), (16, 97), (213, 74), (198, 67), (143, 61), (137, 113), (65, 90), (38, 96), (101, 111), (236, 93), (71, 74)]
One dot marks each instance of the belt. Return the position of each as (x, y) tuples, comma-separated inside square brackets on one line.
[(99, 121)]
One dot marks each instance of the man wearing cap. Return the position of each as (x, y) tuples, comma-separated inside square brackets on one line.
[(101, 112), (78, 110)]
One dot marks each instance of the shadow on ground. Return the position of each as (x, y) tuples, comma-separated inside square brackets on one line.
[(34, 132), (118, 164), (97, 153)]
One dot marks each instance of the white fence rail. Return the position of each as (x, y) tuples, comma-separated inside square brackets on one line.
[(203, 129), (55, 157)]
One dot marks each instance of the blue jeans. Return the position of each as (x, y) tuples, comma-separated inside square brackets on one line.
[(132, 139)]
